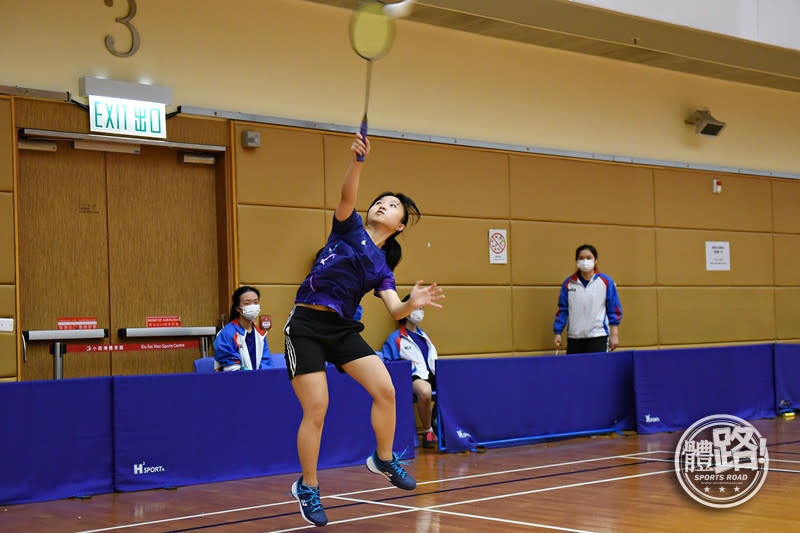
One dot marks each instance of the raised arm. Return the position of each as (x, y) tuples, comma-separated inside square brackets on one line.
[(420, 297), (347, 201)]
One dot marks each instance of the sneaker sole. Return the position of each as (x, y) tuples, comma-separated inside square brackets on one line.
[(296, 497), (372, 467)]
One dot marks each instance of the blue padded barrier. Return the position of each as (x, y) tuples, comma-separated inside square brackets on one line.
[(56, 439), (185, 429), (787, 377), (675, 388), (505, 401)]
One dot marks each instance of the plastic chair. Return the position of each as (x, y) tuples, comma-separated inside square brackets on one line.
[(204, 365)]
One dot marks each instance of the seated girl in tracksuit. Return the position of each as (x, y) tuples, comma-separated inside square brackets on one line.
[(412, 343)]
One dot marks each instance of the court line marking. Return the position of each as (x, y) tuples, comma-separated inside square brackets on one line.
[(499, 473), (547, 489), (366, 491), (465, 515), (773, 460), (438, 508), (355, 519)]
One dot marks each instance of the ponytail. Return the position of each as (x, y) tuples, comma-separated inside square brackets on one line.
[(393, 250)]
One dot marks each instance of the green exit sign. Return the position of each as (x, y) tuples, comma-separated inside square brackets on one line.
[(127, 117)]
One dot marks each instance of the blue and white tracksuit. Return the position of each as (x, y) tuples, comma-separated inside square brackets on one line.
[(400, 345), (230, 348), (588, 311)]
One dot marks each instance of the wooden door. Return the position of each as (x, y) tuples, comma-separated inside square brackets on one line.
[(63, 251), (162, 251), (119, 237)]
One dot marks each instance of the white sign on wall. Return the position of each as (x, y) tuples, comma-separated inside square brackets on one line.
[(718, 255), (127, 117), (498, 247)]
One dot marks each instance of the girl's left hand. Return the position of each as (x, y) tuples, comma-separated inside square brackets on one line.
[(424, 296), (613, 342)]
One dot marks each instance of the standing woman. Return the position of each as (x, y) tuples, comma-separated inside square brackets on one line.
[(589, 307), (241, 344), (359, 257)]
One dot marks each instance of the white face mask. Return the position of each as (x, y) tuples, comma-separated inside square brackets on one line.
[(585, 265), (416, 316), (251, 312)]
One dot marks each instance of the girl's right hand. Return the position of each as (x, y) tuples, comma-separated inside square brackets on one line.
[(557, 341), (360, 146)]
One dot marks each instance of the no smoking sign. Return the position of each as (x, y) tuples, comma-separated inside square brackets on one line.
[(498, 247)]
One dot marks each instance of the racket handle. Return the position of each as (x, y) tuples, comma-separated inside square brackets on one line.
[(363, 132)]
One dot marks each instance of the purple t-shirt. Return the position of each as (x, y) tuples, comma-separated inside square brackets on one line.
[(348, 267)]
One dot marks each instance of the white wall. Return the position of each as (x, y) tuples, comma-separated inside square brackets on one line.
[(767, 21)]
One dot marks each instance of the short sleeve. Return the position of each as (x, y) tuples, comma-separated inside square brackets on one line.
[(351, 223)]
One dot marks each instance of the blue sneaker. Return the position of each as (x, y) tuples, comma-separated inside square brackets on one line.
[(393, 471), (310, 504)]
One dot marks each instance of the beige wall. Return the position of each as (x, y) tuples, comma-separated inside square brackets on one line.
[(292, 59), (650, 226)]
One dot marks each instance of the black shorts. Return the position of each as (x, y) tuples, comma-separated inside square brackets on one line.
[(431, 379), (314, 337), (591, 345)]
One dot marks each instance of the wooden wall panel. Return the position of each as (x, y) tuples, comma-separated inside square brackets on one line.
[(685, 200), (682, 258), (286, 170), (7, 301), (6, 147), (198, 130), (277, 244), (787, 257), (543, 253), (50, 115), (8, 353), (532, 316), (450, 251), (7, 263), (785, 202), (787, 313), (8, 341), (442, 180), (639, 325), (708, 315), (551, 189), (473, 320)]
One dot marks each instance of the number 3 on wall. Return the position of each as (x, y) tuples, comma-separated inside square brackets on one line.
[(125, 21)]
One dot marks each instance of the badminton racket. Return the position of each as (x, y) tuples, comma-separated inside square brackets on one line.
[(371, 36)]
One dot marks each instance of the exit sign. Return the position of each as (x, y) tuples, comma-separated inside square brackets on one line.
[(127, 117)]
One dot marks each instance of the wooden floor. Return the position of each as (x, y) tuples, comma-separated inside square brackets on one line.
[(604, 483)]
